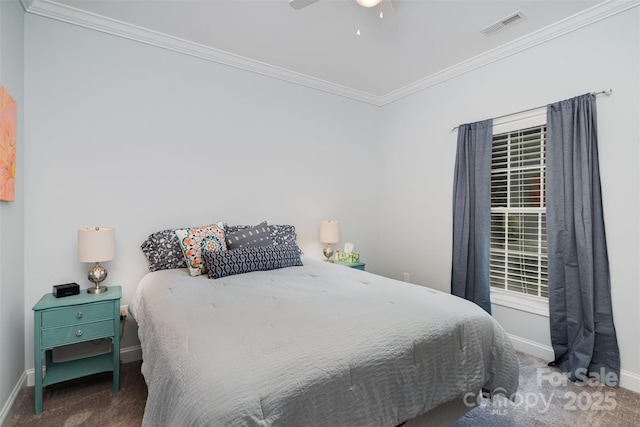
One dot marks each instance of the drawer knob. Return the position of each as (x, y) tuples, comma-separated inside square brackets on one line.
[(79, 315), (79, 333)]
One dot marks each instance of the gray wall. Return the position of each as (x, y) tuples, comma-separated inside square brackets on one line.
[(12, 305)]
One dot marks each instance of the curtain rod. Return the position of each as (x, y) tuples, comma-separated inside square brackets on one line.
[(606, 92)]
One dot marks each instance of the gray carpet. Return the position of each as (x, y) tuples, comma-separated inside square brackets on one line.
[(90, 402), (481, 417), (87, 401), (546, 398)]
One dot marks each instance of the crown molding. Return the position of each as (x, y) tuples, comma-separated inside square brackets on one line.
[(587, 17), (26, 4), (64, 13), (71, 15)]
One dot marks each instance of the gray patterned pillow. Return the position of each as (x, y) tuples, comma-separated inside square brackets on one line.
[(280, 234), (163, 251), (258, 235), (251, 258), (283, 234)]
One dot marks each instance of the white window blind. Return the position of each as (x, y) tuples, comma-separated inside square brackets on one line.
[(518, 248)]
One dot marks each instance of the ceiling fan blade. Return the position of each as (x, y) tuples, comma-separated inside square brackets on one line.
[(299, 4), (389, 19)]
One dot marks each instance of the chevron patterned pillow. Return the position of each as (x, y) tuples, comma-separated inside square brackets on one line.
[(251, 258)]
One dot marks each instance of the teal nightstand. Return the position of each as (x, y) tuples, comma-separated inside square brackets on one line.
[(356, 265), (70, 320)]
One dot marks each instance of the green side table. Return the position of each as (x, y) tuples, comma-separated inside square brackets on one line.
[(356, 265), (70, 320)]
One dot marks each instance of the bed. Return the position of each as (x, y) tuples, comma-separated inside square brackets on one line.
[(316, 344)]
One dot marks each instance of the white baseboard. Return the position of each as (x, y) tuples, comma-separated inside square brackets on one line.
[(9, 407), (531, 347), (131, 354), (628, 380)]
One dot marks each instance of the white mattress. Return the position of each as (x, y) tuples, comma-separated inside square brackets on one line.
[(316, 345)]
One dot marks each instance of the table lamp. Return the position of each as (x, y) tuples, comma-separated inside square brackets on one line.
[(329, 233), (96, 244)]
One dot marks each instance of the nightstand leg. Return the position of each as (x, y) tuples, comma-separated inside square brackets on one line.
[(116, 365), (116, 350), (38, 381), (37, 366)]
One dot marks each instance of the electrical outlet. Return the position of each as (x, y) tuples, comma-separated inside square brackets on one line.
[(124, 311), (406, 277)]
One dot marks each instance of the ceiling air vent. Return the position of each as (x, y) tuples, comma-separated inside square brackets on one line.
[(501, 24)]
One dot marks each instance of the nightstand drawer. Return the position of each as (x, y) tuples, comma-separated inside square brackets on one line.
[(79, 314), (77, 333)]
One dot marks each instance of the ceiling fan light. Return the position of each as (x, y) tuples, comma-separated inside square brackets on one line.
[(368, 3)]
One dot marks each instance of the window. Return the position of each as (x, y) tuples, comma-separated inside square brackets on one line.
[(518, 248)]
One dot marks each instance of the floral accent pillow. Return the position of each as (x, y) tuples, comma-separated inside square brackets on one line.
[(212, 244), (191, 242)]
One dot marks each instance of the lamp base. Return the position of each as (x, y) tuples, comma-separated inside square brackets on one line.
[(97, 289), (328, 252), (96, 275)]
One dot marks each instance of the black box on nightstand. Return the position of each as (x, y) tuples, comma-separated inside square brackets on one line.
[(66, 290)]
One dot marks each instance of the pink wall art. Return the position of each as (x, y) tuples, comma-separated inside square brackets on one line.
[(8, 120)]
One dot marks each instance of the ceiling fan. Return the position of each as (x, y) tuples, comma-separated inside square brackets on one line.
[(387, 13)]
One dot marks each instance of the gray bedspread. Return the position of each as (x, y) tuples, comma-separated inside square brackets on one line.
[(318, 345)]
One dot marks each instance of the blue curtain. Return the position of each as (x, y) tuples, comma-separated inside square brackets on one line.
[(582, 330), (472, 213)]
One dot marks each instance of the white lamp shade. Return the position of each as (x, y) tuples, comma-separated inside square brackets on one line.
[(329, 231), (96, 244), (368, 3)]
